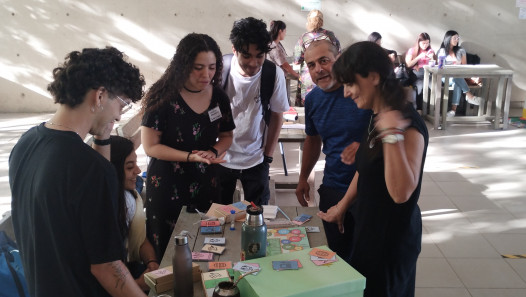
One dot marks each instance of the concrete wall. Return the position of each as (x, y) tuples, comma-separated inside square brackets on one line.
[(35, 35)]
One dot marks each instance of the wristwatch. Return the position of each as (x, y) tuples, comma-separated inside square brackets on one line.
[(392, 138), (267, 159)]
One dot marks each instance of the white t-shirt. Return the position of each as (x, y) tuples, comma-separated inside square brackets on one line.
[(246, 150)]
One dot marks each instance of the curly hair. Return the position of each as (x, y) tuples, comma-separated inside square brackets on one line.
[(363, 58), (121, 148), (314, 20), (250, 31), (174, 77), (275, 27), (94, 68)]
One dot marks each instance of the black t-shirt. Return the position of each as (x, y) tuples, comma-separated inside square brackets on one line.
[(64, 201)]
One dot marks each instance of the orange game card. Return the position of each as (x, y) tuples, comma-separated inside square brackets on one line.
[(322, 253), (219, 265)]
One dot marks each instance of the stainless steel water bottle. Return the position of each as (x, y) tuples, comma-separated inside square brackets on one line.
[(253, 234), (182, 268)]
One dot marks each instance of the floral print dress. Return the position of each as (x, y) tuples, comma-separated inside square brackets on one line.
[(171, 185)]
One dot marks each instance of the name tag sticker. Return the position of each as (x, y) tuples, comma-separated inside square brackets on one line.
[(214, 114)]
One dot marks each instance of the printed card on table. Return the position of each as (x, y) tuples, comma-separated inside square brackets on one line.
[(246, 267), (301, 219), (196, 256), (322, 253), (213, 249), (211, 230), (285, 265), (210, 223), (220, 265), (312, 229), (215, 240)]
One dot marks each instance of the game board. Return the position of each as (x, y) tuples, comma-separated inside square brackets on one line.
[(286, 240)]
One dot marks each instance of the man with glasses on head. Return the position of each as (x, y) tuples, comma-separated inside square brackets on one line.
[(338, 124), (64, 193), (248, 158)]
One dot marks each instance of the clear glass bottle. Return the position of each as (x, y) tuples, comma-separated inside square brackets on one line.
[(182, 268), (253, 235)]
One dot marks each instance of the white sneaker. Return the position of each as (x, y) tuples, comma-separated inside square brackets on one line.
[(451, 113), (474, 100)]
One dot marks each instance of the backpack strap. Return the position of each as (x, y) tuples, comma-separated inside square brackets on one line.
[(268, 79), (227, 61)]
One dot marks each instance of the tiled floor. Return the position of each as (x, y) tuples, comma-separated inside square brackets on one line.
[(473, 206)]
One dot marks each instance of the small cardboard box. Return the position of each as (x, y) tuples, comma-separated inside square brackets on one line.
[(220, 210), (336, 279), (161, 280), (212, 278)]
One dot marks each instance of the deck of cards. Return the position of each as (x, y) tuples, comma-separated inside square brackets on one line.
[(322, 257), (301, 219), (286, 265), (203, 257)]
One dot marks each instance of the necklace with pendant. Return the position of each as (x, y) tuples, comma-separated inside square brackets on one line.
[(60, 125)]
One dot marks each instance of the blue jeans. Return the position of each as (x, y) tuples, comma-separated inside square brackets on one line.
[(459, 86), (254, 180)]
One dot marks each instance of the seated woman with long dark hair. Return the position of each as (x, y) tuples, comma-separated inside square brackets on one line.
[(132, 220)]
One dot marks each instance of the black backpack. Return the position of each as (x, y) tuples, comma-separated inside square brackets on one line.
[(268, 77)]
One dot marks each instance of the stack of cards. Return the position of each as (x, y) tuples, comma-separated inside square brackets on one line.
[(219, 265), (322, 257), (246, 267), (213, 249), (301, 219), (218, 240), (211, 230), (202, 257), (286, 265), (212, 278)]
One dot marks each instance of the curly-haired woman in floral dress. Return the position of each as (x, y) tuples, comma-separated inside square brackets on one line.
[(186, 128)]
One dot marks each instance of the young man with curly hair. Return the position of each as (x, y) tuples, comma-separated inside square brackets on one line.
[(248, 158), (64, 193)]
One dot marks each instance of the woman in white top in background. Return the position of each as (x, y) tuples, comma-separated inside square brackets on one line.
[(455, 54), (278, 55)]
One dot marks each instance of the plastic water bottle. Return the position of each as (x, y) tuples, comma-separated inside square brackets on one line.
[(182, 268), (253, 234), (441, 60)]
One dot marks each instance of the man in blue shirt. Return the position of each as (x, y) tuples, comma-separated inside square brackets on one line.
[(338, 124)]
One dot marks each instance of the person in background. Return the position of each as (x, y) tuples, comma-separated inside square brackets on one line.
[(249, 157), (132, 219), (456, 55), (186, 129), (64, 206), (377, 38), (277, 54), (385, 189), (416, 57), (314, 32), (336, 124)]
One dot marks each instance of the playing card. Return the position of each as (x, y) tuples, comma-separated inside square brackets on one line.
[(312, 229), (213, 249), (322, 253), (215, 240), (196, 256), (210, 230), (284, 265), (246, 267)]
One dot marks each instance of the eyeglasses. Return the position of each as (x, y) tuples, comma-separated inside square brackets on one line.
[(127, 106), (455, 37), (318, 38)]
